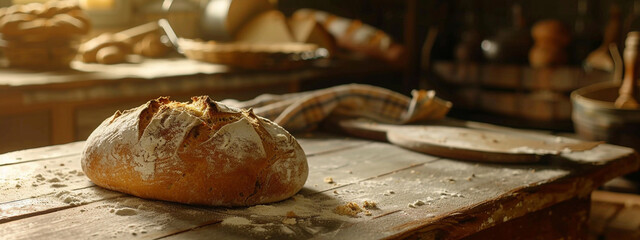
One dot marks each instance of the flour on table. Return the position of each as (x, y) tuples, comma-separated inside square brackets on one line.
[(236, 221), (126, 212)]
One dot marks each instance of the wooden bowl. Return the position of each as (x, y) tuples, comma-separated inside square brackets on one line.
[(596, 118)]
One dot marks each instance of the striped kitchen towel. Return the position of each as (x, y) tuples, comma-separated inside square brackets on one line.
[(304, 111)]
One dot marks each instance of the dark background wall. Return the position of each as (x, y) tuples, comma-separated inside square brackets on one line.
[(488, 16)]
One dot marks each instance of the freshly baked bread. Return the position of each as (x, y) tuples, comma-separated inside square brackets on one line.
[(197, 153), (357, 36)]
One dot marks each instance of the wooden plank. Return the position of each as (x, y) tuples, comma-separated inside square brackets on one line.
[(34, 171), (566, 220), (28, 174), (514, 203), (624, 199), (625, 225), (355, 157), (443, 185), (52, 202), (123, 217), (42, 153), (457, 195), (601, 215), (355, 164), (449, 190), (32, 179), (319, 143), (627, 220), (605, 153)]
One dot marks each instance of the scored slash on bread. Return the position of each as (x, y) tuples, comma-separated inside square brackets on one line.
[(201, 152)]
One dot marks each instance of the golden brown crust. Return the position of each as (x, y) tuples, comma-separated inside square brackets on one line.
[(151, 46), (199, 153), (90, 50)]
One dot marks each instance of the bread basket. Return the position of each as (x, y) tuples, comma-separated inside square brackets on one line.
[(42, 35), (281, 56)]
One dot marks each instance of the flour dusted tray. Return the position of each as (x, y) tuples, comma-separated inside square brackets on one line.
[(276, 56)]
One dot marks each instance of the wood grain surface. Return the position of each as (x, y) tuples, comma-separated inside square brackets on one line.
[(45, 195)]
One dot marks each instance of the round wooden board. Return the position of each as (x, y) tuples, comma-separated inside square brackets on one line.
[(481, 145), (469, 144)]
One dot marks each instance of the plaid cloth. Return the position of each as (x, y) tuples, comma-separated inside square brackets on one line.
[(305, 110)]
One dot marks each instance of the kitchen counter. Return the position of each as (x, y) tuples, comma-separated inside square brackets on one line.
[(45, 195), (40, 108)]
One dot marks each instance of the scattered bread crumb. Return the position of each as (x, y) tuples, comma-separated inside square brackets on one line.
[(417, 203), (367, 213), (369, 205), (39, 177), (350, 209), (289, 221), (328, 180), (55, 179), (291, 214)]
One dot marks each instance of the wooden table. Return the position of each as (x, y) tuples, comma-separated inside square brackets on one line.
[(52, 107), (45, 195)]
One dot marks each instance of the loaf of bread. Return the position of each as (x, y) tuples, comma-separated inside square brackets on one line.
[(308, 30), (353, 34), (267, 27), (201, 152)]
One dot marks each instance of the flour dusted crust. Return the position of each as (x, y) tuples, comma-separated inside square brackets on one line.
[(197, 153)]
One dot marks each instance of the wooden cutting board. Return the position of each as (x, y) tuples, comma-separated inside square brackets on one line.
[(480, 145)]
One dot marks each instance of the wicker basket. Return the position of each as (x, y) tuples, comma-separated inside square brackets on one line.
[(282, 56), (49, 54)]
